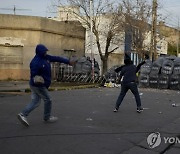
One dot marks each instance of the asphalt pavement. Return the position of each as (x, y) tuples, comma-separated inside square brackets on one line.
[(88, 125)]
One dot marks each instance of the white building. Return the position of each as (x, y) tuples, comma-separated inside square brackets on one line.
[(161, 45)]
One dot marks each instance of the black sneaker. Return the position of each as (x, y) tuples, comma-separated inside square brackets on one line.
[(115, 110), (23, 119), (139, 109)]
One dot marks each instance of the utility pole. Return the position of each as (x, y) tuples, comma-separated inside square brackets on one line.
[(91, 37), (153, 50), (178, 39)]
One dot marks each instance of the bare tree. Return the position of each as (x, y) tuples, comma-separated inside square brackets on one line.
[(106, 25), (109, 20), (138, 16)]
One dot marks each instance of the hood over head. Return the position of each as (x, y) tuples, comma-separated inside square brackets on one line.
[(41, 50), (127, 60)]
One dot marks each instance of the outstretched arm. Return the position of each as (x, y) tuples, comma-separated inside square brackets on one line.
[(139, 66), (57, 59), (118, 69)]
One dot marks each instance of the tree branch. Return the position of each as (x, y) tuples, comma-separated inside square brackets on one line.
[(113, 50)]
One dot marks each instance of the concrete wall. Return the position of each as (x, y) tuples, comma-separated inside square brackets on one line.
[(115, 59), (170, 33), (19, 36)]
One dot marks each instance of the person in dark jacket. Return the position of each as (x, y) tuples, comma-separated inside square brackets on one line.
[(128, 77), (40, 80)]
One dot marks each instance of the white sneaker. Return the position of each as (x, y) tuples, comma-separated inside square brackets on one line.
[(115, 110), (51, 119), (23, 119)]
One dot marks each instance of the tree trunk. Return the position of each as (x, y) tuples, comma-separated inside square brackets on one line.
[(105, 65)]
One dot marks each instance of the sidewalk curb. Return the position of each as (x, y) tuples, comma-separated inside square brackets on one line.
[(72, 87), (27, 90)]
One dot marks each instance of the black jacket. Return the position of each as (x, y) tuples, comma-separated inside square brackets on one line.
[(128, 72)]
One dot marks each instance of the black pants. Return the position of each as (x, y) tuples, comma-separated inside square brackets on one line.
[(124, 88)]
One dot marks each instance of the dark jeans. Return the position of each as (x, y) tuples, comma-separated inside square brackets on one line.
[(124, 88)]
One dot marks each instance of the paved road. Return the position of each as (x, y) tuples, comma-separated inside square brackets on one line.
[(87, 124)]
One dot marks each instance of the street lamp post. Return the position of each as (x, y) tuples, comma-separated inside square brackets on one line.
[(153, 51), (178, 39), (91, 37)]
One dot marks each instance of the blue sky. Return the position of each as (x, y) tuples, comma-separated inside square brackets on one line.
[(34, 7), (170, 9)]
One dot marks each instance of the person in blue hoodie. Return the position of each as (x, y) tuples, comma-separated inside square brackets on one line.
[(40, 80)]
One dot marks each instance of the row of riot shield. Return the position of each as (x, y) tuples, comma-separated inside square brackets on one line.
[(80, 72), (163, 73)]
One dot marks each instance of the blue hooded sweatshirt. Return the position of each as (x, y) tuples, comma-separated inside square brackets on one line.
[(40, 65)]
